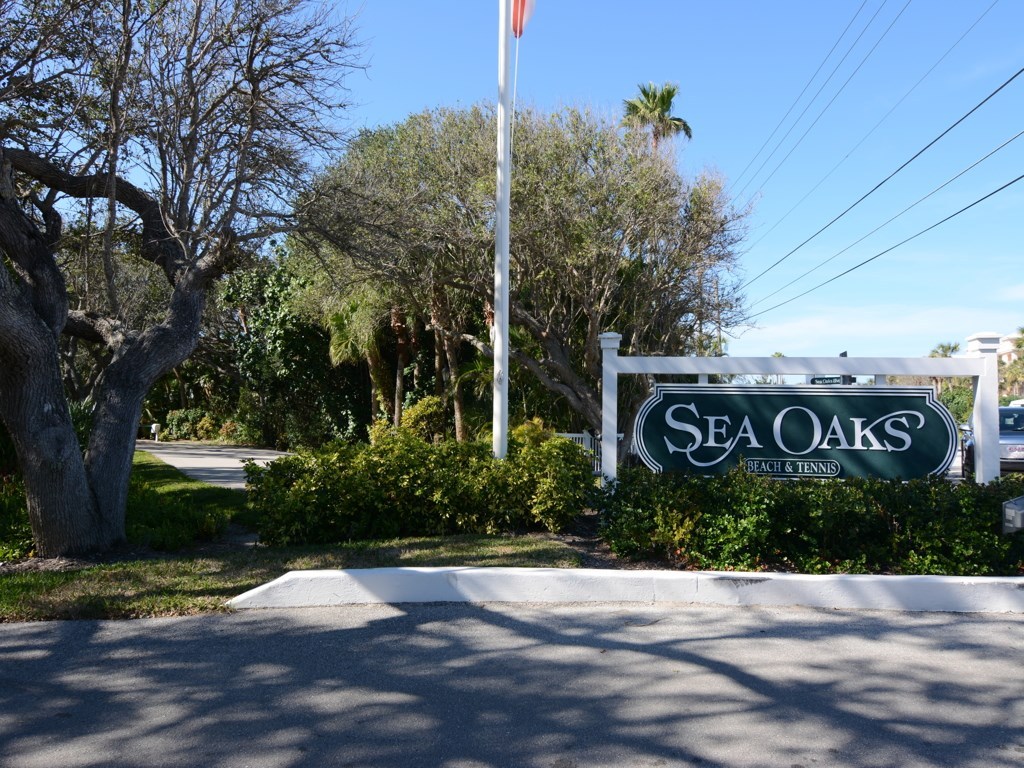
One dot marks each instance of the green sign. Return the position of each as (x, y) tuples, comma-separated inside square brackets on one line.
[(796, 431)]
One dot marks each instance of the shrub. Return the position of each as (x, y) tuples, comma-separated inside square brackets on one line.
[(532, 432), (427, 418), (649, 515), (559, 481), (182, 424), (751, 522), (206, 428), (15, 531), (311, 498), (403, 485)]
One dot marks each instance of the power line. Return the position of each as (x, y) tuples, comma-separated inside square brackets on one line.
[(813, 99), (887, 250), (885, 117), (890, 220), (831, 101), (801, 95), (878, 186)]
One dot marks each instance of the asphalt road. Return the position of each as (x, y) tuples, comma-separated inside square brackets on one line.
[(214, 464), (465, 686)]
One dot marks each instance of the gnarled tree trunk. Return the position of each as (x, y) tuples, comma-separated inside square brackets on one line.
[(61, 506)]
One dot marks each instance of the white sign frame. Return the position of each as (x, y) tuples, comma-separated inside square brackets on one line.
[(983, 370)]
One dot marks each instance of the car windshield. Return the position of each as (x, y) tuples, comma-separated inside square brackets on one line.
[(1011, 420)]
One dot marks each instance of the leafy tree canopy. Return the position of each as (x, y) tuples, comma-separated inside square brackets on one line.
[(606, 235)]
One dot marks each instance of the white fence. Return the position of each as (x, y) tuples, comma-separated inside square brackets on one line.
[(590, 443), (982, 370)]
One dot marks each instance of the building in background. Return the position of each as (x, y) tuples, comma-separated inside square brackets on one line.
[(1011, 358)]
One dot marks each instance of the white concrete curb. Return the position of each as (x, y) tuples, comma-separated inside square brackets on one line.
[(961, 594)]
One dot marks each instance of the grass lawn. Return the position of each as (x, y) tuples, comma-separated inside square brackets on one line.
[(201, 579)]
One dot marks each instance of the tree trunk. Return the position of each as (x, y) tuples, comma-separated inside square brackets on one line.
[(452, 353), (380, 394), (439, 355), (402, 360), (61, 507), (440, 319), (136, 367)]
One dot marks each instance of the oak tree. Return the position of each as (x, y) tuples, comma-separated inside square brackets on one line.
[(186, 126)]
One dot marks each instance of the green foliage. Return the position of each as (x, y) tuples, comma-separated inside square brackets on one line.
[(532, 433), (750, 522), (183, 424), (558, 476), (81, 420), (167, 511), (426, 418), (15, 532), (611, 236), (8, 456), (959, 400), (291, 394), (403, 485), (652, 109), (190, 424)]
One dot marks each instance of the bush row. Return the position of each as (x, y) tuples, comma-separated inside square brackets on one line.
[(197, 424), (403, 485), (743, 521)]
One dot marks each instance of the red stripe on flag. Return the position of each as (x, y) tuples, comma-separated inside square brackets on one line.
[(521, 12)]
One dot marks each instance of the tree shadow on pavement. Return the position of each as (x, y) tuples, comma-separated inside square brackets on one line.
[(503, 685)]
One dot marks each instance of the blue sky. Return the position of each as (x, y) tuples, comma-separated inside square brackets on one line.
[(740, 66)]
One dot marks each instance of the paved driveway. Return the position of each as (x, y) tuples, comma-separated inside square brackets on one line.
[(562, 686), (214, 464)]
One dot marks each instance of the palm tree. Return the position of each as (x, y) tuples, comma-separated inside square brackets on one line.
[(652, 109), (1013, 370), (944, 349), (357, 330)]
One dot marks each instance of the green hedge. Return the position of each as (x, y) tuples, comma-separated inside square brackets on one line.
[(403, 485), (750, 522)]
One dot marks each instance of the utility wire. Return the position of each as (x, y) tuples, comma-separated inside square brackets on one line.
[(813, 99), (887, 250), (797, 99), (878, 186), (831, 101), (945, 184), (876, 126)]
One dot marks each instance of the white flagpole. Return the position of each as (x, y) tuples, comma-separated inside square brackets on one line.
[(501, 245)]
